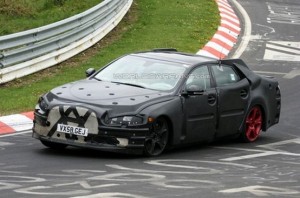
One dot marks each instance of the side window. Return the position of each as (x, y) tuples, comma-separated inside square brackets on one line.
[(225, 75), (199, 77)]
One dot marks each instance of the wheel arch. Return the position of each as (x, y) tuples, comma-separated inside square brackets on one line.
[(258, 102), (170, 127), (172, 112), (263, 111)]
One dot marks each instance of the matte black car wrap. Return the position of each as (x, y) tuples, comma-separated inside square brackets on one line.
[(195, 99)]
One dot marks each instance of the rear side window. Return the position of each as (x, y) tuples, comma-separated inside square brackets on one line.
[(225, 75)]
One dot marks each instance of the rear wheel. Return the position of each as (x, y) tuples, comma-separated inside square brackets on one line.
[(53, 145), (252, 125), (157, 141)]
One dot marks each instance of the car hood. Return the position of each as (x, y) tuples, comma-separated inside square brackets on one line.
[(117, 99)]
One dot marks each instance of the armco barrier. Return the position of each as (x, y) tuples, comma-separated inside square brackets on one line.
[(27, 52)]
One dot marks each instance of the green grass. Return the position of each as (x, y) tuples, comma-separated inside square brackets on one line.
[(183, 24), (19, 15)]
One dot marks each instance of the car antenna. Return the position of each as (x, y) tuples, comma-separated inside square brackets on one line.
[(220, 60)]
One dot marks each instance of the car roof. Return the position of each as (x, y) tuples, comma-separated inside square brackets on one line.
[(173, 56)]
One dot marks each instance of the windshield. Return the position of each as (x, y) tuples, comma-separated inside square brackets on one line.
[(143, 72)]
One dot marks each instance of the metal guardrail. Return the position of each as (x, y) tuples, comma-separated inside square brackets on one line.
[(26, 52)]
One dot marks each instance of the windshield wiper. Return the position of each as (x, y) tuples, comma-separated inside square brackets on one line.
[(97, 78), (130, 84)]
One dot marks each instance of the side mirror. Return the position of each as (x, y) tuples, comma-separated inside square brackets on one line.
[(193, 90), (90, 72)]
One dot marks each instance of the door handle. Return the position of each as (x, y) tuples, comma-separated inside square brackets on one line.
[(244, 93), (211, 99)]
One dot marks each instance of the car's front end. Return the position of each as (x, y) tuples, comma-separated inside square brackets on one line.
[(84, 127), (109, 121)]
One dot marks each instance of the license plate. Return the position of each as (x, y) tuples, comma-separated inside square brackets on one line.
[(72, 130)]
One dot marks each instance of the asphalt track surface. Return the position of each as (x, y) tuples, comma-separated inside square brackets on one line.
[(269, 167)]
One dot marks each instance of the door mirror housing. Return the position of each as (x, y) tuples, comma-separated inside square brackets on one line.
[(90, 72), (193, 90)]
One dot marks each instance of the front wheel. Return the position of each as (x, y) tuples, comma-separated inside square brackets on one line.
[(53, 145), (252, 125), (157, 141)]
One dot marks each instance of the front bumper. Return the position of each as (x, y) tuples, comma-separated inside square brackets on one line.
[(120, 139), (108, 139)]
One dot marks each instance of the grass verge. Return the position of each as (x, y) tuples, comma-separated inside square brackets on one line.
[(183, 24), (20, 15)]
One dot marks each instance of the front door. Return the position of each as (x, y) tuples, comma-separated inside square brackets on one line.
[(200, 107)]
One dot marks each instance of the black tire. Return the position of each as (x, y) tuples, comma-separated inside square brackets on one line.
[(53, 145), (252, 125), (157, 141)]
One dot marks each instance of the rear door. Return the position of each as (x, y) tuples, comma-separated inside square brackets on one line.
[(233, 98)]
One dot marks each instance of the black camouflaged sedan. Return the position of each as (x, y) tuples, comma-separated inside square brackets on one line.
[(148, 101)]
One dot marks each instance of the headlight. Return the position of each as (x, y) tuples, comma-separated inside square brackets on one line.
[(42, 105), (125, 120)]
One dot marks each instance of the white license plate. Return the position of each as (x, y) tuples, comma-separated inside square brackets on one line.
[(72, 130)]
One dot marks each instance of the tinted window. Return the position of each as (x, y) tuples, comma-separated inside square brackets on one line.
[(225, 75), (199, 77)]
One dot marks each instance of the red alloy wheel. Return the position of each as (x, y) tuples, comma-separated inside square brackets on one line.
[(253, 124)]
